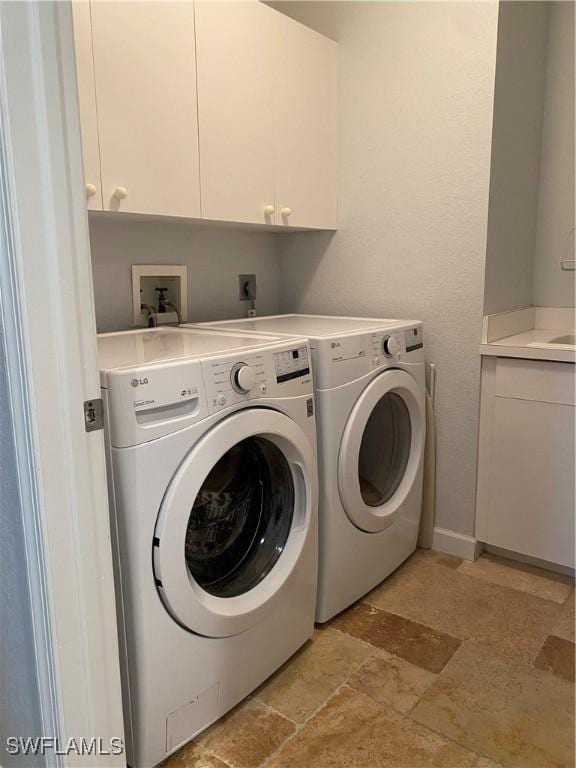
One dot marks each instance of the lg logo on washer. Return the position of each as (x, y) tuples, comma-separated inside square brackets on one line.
[(138, 382)]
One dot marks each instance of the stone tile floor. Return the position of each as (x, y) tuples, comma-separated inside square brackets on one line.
[(447, 663)]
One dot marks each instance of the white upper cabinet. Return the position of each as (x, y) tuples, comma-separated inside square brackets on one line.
[(145, 74), (87, 103), (214, 110), (235, 50), (306, 126), (267, 113)]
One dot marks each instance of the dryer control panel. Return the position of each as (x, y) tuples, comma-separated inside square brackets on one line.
[(339, 360), (395, 344), (386, 347)]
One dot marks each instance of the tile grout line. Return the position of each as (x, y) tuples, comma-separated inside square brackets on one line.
[(552, 622), (335, 692), (478, 753), (376, 652), (419, 623), (481, 754), (274, 711), (298, 726), (408, 716), (211, 753)]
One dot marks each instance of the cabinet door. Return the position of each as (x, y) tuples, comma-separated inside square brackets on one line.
[(531, 480), (87, 103), (235, 92), (306, 115), (144, 61)]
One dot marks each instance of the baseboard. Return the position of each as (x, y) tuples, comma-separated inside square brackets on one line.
[(565, 570), (458, 544)]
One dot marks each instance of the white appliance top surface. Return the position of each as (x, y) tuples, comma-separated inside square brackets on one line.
[(312, 326), (128, 349)]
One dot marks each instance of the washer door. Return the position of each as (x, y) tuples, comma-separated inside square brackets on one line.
[(234, 521), (381, 450)]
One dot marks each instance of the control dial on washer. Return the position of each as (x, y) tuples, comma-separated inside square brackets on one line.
[(242, 378), (389, 346)]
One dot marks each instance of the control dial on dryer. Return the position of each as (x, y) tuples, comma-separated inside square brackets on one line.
[(389, 346), (242, 378)]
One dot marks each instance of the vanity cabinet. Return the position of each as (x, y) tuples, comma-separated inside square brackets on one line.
[(216, 110), (525, 497)]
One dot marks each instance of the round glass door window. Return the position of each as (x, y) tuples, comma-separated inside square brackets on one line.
[(385, 450), (241, 518)]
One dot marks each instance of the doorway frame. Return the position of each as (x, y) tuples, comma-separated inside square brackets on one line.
[(47, 306)]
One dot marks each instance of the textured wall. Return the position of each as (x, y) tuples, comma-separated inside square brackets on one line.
[(552, 287), (19, 696), (515, 166), (214, 258), (415, 118)]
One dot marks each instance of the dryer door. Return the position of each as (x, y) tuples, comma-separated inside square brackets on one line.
[(234, 521), (381, 450)]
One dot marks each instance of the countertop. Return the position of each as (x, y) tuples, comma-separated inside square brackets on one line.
[(532, 345)]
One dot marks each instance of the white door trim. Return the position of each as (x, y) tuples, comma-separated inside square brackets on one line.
[(48, 315)]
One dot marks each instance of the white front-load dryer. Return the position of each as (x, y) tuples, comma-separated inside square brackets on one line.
[(212, 474), (370, 401)]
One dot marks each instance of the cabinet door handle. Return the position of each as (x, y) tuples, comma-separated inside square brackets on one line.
[(286, 212), (90, 190), (120, 193), (269, 210)]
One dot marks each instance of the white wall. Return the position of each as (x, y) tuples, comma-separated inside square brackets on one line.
[(416, 88), (515, 167), (214, 258), (552, 287)]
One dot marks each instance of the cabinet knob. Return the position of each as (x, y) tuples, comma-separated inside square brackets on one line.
[(120, 193), (90, 190), (286, 212), (269, 210)]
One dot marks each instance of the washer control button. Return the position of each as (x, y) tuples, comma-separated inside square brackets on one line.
[(376, 361), (221, 398), (242, 378), (263, 387)]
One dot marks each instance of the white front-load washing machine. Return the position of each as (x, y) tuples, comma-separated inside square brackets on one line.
[(370, 399), (211, 446)]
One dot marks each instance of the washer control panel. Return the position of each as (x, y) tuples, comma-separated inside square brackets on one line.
[(230, 380), (291, 364), (413, 338), (284, 372)]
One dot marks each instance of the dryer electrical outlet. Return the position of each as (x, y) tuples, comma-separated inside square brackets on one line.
[(247, 287)]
